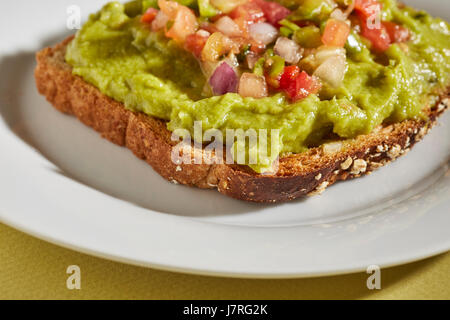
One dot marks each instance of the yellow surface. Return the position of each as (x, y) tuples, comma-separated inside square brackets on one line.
[(33, 269)]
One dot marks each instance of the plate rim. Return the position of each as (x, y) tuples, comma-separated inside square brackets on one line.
[(211, 273), (12, 219), (428, 251)]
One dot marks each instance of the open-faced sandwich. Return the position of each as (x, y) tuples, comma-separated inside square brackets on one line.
[(281, 98)]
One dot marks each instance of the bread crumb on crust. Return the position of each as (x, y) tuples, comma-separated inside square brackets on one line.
[(382, 148), (375, 165), (394, 152), (332, 147), (407, 142), (359, 166), (320, 189), (347, 163), (442, 105)]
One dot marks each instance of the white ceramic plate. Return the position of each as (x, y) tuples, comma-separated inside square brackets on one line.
[(61, 182)]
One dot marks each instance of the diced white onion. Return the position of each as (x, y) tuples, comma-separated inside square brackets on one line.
[(332, 70), (338, 14), (289, 50), (203, 33), (251, 60), (325, 52), (227, 26), (160, 21), (252, 85), (263, 32)]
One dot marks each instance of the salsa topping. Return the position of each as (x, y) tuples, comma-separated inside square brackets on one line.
[(258, 47)]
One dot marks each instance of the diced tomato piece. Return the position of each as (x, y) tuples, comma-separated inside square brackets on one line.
[(396, 32), (243, 26), (379, 37), (283, 81), (336, 33), (249, 12), (273, 11), (184, 20), (367, 7), (298, 85), (289, 75), (170, 8), (211, 28), (306, 85), (256, 47), (149, 15), (185, 24), (195, 44)]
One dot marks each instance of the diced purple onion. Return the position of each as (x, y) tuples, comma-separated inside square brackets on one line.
[(223, 80)]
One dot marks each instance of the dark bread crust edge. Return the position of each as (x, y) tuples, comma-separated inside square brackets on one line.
[(303, 174)]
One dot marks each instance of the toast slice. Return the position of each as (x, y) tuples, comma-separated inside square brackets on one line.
[(308, 173)]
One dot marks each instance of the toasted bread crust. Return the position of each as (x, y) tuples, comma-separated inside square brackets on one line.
[(308, 173)]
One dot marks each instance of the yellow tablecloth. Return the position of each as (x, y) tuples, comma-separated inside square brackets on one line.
[(33, 269)]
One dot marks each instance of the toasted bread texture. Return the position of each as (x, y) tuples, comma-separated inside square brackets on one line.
[(308, 173)]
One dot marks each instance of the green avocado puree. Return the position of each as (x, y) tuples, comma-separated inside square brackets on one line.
[(149, 73)]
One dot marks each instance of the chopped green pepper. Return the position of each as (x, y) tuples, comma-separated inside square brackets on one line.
[(186, 3), (277, 67), (244, 52), (146, 4), (207, 9), (133, 8), (308, 37), (288, 28), (315, 10), (259, 67), (286, 32), (289, 24), (269, 53), (356, 48)]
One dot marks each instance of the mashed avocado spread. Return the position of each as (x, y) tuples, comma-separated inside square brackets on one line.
[(152, 73)]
